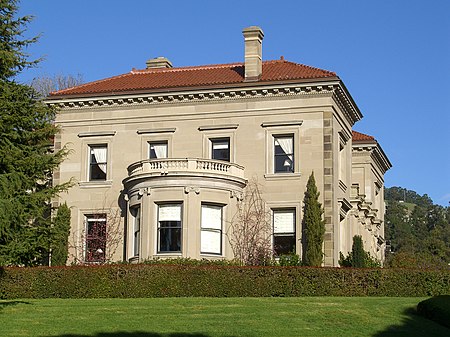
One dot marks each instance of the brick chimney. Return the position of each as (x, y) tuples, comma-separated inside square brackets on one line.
[(158, 62), (253, 37)]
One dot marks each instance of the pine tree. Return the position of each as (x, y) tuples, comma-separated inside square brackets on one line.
[(26, 156), (358, 253), (313, 225), (60, 236)]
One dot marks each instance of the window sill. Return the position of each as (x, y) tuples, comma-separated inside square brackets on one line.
[(95, 184), (282, 176)]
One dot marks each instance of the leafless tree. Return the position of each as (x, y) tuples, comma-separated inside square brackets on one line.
[(251, 228), (98, 240), (44, 85)]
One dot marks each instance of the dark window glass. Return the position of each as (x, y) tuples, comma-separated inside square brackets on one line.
[(283, 154), (157, 150), (284, 231), (97, 162), (221, 149), (169, 228), (95, 238)]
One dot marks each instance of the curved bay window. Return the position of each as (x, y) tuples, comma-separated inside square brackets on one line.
[(169, 228), (211, 229)]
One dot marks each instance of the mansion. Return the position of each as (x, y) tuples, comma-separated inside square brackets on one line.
[(162, 156)]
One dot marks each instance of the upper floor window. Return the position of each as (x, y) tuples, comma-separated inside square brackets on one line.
[(211, 229), (157, 150), (95, 238), (284, 231), (169, 228), (98, 162), (220, 149), (284, 154)]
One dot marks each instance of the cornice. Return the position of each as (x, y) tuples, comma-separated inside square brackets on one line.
[(376, 153), (334, 89)]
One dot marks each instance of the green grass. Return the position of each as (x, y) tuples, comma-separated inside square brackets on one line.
[(211, 317)]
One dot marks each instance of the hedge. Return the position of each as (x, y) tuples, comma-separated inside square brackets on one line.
[(141, 280)]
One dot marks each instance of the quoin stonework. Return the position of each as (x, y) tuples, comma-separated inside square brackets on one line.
[(161, 156)]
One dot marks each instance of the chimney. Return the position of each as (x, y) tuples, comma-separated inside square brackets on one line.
[(253, 37), (158, 62)]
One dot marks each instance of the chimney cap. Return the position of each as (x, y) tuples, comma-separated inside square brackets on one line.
[(158, 62), (253, 31)]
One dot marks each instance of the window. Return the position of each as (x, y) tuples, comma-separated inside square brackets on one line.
[(284, 231), (169, 228), (220, 149), (97, 162), (157, 150), (136, 213), (211, 230), (95, 238), (284, 154)]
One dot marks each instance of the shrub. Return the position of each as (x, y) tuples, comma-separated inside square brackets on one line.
[(164, 280), (358, 257), (437, 309)]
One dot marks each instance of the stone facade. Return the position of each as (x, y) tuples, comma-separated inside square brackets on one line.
[(161, 170)]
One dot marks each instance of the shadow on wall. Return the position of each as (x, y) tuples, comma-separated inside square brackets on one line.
[(139, 334), (414, 325)]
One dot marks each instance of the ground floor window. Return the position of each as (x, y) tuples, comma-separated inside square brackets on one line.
[(211, 229), (283, 231), (136, 213), (95, 238), (169, 228)]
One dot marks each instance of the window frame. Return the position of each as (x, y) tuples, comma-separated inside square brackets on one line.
[(92, 146), (217, 140), (159, 227), (276, 138), (293, 234), (204, 229), (96, 217), (157, 142), (137, 220)]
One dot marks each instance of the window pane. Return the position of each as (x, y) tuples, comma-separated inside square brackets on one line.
[(170, 212), (210, 242), (283, 221), (158, 150), (211, 217), (169, 239), (284, 154), (136, 212), (284, 244), (97, 162), (221, 149), (95, 238)]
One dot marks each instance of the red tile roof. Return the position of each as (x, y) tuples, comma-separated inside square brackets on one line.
[(200, 76), (361, 137)]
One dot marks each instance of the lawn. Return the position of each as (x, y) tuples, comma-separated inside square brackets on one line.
[(211, 317)]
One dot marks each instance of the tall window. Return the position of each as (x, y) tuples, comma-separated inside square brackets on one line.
[(169, 228), (136, 213), (220, 149), (284, 154), (284, 231), (95, 238), (157, 150), (97, 162), (211, 229)]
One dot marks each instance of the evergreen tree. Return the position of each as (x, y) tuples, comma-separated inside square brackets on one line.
[(313, 225), (26, 156), (358, 252), (60, 236)]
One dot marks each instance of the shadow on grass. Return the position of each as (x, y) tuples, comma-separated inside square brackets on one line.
[(138, 334), (414, 325), (4, 304)]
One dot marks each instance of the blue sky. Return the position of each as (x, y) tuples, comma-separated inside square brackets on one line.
[(393, 56)]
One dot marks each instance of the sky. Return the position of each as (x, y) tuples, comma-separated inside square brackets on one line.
[(393, 56)]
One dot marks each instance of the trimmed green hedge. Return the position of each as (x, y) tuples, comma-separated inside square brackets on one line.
[(437, 309), (217, 281)]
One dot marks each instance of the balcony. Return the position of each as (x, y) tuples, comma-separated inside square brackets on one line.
[(195, 169)]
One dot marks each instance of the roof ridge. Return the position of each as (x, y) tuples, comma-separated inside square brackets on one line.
[(174, 69)]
